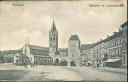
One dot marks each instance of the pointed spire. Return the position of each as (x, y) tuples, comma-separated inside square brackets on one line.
[(53, 18), (53, 28)]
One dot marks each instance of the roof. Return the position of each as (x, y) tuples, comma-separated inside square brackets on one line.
[(63, 49), (124, 24), (117, 34), (38, 47), (74, 37), (38, 50), (43, 56), (53, 28), (86, 46), (10, 52), (99, 42)]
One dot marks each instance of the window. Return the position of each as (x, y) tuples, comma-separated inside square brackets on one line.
[(100, 55), (125, 39), (123, 59), (112, 52), (110, 43), (53, 38), (117, 51), (72, 55), (118, 40), (114, 42)]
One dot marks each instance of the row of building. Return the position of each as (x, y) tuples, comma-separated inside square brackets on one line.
[(111, 52)]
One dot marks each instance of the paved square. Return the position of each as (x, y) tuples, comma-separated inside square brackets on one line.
[(63, 73)]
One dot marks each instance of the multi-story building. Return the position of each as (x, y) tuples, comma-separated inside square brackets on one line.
[(74, 51), (114, 50), (111, 52), (98, 53), (106, 49), (1, 57), (124, 45), (87, 54), (9, 56)]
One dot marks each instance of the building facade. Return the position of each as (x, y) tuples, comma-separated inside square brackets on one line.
[(1, 57), (9, 56), (98, 53), (124, 45), (112, 51), (115, 44), (33, 54), (62, 57), (87, 54), (74, 51)]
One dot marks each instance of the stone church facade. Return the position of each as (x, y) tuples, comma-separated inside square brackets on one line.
[(33, 54), (43, 55), (69, 56)]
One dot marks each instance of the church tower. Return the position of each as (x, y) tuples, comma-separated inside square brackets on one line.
[(53, 41)]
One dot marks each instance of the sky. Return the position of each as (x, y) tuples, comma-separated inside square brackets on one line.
[(33, 21)]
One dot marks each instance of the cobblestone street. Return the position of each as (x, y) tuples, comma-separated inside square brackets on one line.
[(64, 73)]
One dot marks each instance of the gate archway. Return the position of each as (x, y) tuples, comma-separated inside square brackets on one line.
[(57, 60), (73, 63), (64, 62)]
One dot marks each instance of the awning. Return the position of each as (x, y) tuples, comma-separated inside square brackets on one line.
[(112, 60)]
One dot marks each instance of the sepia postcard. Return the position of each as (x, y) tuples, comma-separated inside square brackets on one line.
[(63, 40)]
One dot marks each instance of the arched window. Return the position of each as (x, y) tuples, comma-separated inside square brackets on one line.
[(51, 38)]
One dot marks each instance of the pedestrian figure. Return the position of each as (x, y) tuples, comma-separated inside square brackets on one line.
[(25, 65), (98, 65), (93, 66), (33, 65)]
